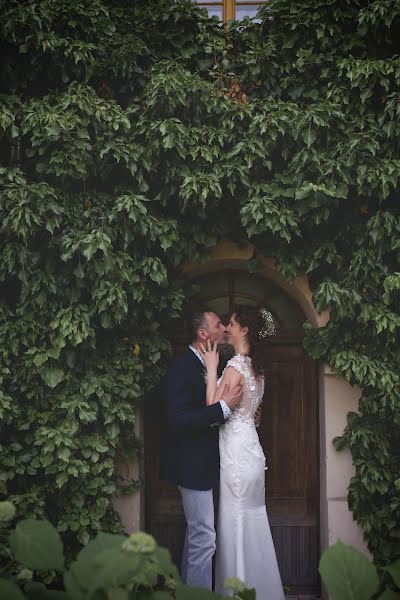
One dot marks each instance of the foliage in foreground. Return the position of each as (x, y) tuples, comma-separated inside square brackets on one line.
[(116, 567), (109, 567), (349, 575), (128, 147)]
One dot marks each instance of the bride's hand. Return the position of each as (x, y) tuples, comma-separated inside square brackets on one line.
[(210, 356)]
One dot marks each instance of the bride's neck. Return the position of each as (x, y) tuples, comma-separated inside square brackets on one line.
[(242, 348)]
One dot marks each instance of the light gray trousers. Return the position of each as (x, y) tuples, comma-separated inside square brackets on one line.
[(199, 545)]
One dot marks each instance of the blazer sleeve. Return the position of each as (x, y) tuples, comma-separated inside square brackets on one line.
[(180, 413)]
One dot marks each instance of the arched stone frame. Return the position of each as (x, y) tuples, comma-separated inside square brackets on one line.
[(227, 254), (336, 399)]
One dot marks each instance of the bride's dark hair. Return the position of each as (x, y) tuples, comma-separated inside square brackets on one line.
[(250, 316)]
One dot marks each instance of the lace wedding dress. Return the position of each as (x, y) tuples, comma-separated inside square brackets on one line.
[(244, 543)]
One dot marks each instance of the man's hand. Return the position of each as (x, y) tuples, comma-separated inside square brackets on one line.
[(232, 396)]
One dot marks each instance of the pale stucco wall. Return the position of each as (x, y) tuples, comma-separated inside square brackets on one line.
[(338, 398), (130, 506)]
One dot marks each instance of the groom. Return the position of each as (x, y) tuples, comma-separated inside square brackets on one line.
[(189, 452)]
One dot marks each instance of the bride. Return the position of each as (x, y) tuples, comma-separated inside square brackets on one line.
[(244, 543)]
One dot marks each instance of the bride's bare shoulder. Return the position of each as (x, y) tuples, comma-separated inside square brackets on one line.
[(231, 375)]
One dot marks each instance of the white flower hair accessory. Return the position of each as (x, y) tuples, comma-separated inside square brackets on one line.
[(269, 325)]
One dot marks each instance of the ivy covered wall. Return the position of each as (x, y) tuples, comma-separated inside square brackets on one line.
[(136, 135)]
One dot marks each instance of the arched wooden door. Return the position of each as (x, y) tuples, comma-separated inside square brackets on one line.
[(288, 434)]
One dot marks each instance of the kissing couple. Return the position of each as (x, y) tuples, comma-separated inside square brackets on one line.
[(210, 439)]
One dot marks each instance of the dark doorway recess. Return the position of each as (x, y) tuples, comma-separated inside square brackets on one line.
[(288, 434)]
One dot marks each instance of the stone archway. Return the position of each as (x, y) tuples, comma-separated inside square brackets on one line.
[(228, 254)]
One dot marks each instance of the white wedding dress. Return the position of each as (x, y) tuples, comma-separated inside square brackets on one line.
[(244, 543)]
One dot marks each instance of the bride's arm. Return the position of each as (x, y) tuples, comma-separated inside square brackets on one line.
[(211, 359), (230, 379)]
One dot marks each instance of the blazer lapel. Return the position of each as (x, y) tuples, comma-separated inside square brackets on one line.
[(197, 364)]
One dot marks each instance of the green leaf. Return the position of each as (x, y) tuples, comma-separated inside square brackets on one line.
[(352, 417), (339, 443), (183, 592), (40, 359), (73, 586), (165, 563), (389, 595), (37, 545), (115, 568), (61, 479), (309, 136), (394, 571), (348, 574), (52, 377), (38, 591), (342, 190), (9, 591), (365, 94), (81, 572), (247, 594), (120, 594)]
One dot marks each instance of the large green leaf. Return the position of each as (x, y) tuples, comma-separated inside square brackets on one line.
[(183, 592), (52, 377), (309, 136), (389, 595), (118, 594), (82, 571), (164, 561), (38, 591), (348, 574), (37, 545), (394, 571), (73, 586), (10, 591), (114, 568)]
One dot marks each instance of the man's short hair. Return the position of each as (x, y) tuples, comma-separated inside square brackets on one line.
[(198, 320)]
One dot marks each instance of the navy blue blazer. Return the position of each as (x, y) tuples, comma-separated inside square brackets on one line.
[(189, 444)]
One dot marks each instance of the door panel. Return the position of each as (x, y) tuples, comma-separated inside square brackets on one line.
[(288, 434)]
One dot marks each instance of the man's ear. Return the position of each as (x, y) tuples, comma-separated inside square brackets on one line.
[(202, 334)]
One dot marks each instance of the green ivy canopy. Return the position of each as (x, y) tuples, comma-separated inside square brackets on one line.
[(134, 135)]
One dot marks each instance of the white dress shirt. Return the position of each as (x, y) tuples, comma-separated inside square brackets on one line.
[(225, 408)]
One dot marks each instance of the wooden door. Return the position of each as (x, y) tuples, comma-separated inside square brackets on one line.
[(288, 434)]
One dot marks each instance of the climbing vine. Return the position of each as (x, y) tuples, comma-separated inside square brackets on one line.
[(133, 137)]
